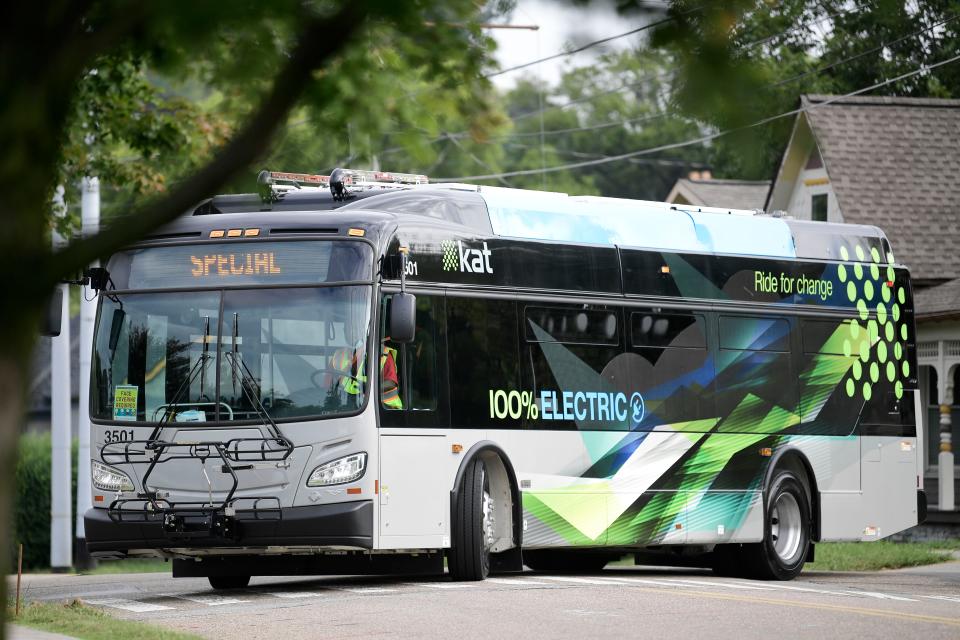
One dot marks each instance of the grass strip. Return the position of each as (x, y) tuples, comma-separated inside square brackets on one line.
[(883, 554), (81, 621), (129, 565)]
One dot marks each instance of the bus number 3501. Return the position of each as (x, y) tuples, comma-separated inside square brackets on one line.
[(118, 435)]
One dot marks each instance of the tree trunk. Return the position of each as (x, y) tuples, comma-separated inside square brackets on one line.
[(13, 384)]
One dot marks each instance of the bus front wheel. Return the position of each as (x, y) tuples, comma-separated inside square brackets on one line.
[(473, 526), (786, 538)]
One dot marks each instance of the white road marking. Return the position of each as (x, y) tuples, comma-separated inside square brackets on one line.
[(210, 601), (127, 605), (656, 583), (790, 587), (366, 589), (516, 581), (946, 598), (575, 580), (441, 585), (728, 585), (294, 594), (880, 596)]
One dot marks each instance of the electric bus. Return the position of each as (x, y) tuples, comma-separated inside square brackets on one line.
[(369, 373)]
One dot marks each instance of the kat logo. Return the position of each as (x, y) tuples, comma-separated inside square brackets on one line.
[(458, 256)]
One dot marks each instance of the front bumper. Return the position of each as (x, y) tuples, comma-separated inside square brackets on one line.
[(344, 524)]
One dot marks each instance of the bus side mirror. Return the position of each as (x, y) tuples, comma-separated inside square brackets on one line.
[(53, 314), (403, 317)]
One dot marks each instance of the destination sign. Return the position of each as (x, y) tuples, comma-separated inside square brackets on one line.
[(235, 264), (242, 263)]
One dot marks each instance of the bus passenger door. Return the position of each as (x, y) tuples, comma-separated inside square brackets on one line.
[(414, 491)]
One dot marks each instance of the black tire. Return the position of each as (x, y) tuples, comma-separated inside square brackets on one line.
[(787, 526), (565, 561), (229, 582), (469, 555)]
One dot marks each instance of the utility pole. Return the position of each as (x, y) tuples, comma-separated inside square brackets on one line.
[(90, 224), (61, 558)]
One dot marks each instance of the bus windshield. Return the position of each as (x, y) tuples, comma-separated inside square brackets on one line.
[(203, 356)]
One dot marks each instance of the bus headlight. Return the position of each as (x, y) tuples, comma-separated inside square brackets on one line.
[(109, 479), (346, 469)]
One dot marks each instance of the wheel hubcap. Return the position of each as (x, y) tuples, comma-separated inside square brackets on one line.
[(786, 528), (488, 518)]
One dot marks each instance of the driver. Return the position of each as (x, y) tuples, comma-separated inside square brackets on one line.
[(351, 362)]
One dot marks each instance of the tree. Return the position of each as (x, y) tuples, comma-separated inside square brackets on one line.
[(743, 61), (69, 67)]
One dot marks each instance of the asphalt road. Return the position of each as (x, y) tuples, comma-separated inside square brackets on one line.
[(617, 602)]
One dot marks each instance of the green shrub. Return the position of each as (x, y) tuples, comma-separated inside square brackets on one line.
[(32, 500)]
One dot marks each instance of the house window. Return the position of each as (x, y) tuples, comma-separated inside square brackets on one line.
[(818, 207)]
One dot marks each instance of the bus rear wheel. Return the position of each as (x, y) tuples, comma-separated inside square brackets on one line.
[(786, 539), (229, 582), (473, 526)]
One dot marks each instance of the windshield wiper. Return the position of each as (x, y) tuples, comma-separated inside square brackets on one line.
[(248, 383), (199, 368)]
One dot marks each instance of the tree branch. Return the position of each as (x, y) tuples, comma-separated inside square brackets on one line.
[(321, 39)]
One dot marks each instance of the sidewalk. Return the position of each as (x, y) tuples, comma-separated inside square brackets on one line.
[(16, 632)]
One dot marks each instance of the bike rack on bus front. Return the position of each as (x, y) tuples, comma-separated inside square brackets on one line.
[(182, 520)]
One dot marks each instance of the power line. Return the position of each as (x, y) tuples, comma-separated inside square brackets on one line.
[(778, 83), (589, 45), (701, 139)]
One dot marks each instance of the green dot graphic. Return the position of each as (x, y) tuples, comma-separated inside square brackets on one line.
[(851, 387), (898, 389), (857, 369), (873, 330), (844, 253), (891, 274), (875, 254), (858, 271), (868, 290), (862, 308), (905, 367), (903, 332), (851, 291), (890, 258), (891, 371), (861, 256), (864, 350), (885, 292), (867, 391), (874, 272), (874, 371), (888, 331), (901, 295), (897, 351), (842, 273), (882, 351), (896, 312), (847, 348), (854, 329), (881, 313)]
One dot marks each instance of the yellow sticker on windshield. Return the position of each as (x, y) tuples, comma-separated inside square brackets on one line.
[(125, 402)]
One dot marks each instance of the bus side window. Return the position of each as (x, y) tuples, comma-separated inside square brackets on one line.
[(482, 345), (408, 372), (756, 385), (674, 371), (420, 359)]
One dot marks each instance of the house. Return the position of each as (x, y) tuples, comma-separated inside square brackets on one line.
[(701, 189), (894, 163)]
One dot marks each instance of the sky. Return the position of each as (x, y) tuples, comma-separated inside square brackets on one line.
[(562, 26)]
